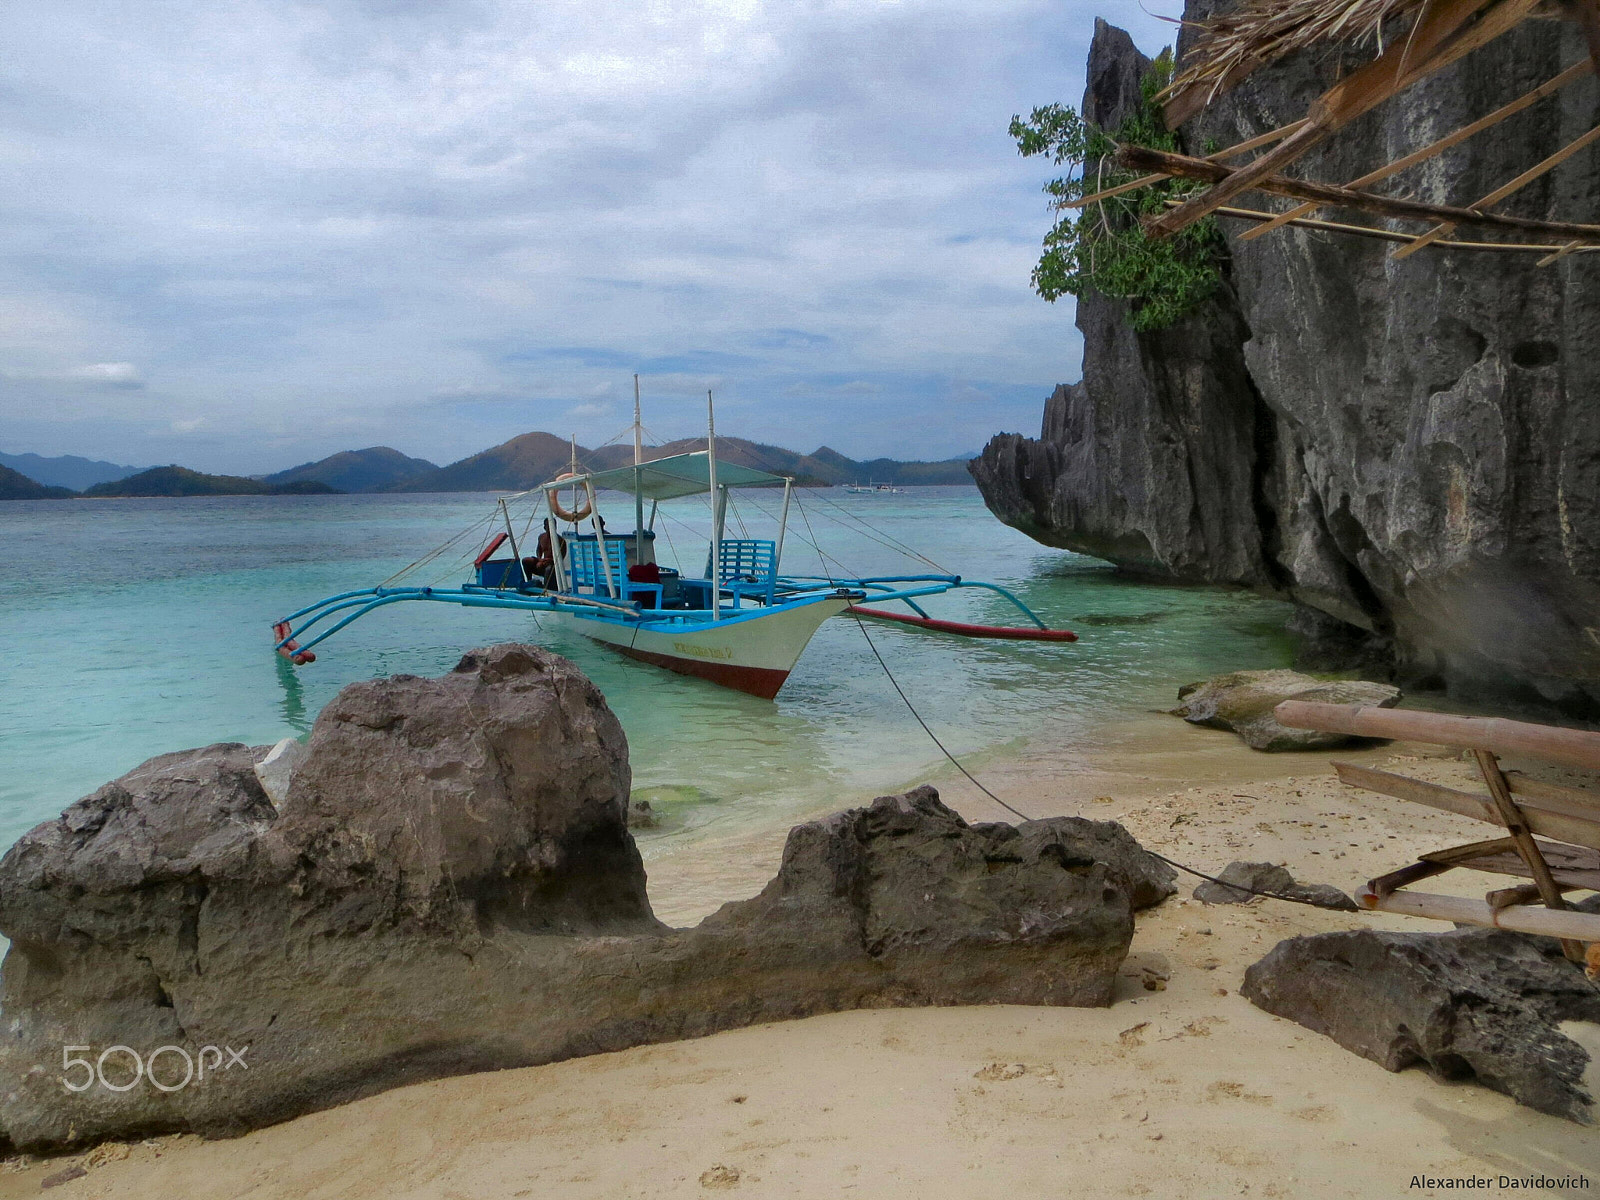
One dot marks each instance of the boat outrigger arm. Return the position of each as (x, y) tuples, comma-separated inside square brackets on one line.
[(743, 624)]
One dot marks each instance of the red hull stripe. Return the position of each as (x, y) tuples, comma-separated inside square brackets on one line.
[(758, 681), (965, 630)]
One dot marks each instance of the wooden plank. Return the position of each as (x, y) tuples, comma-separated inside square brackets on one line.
[(1142, 158), (1504, 190), (1443, 33), (1563, 923), (1555, 797), (1459, 854), (1557, 826), (1517, 826), (1415, 872), (1576, 71), (1569, 747)]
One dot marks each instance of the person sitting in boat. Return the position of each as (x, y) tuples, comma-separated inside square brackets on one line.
[(542, 565)]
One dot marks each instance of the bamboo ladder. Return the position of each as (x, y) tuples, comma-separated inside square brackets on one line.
[(1564, 857)]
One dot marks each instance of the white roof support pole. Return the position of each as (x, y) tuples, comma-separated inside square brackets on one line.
[(600, 540), (716, 521), (638, 458), (552, 528), (783, 525)]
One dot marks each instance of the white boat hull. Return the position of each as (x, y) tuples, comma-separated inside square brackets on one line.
[(753, 654)]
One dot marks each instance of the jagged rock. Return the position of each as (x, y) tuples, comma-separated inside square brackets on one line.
[(1474, 1004), (1408, 448), (641, 815), (1242, 701), (450, 886), (1269, 877), (1080, 841)]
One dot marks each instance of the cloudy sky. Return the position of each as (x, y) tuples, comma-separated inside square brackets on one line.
[(241, 235)]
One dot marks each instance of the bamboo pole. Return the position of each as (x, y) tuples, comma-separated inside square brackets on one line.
[(1220, 156), (1144, 158), (1442, 34), (1564, 923), (1550, 86), (1390, 235), (1503, 191), (1569, 747), (1527, 849)]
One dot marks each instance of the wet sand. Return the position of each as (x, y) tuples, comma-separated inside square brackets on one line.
[(1185, 1090)]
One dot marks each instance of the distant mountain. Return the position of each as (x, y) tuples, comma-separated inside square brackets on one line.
[(180, 481), (14, 485), (66, 470), (532, 458), (376, 469)]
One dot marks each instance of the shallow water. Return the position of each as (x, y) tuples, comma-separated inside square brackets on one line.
[(137, 627)]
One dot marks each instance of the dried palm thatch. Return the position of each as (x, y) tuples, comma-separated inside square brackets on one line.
[(1257, 32)]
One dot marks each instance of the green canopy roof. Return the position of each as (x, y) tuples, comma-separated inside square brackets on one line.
[(679, 475)]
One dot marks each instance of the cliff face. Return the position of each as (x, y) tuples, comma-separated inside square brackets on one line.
[(1409, 450)]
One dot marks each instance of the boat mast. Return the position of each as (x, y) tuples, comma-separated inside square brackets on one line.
[(716, 525), (638, 458)]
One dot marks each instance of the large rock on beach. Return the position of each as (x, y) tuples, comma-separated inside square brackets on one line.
[(448, 885), (1407, 451), (1242, 701), (1480, 1004)]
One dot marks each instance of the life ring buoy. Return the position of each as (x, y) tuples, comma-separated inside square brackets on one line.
[(552, 497)]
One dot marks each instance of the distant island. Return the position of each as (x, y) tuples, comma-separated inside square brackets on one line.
[(180, 481), (522, 462)]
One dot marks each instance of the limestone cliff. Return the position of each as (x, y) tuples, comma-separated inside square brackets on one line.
[(1409, 450)]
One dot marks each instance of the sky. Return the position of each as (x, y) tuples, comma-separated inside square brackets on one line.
[(241, 235)]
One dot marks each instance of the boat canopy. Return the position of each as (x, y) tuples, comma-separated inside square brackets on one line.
[(667, 478)]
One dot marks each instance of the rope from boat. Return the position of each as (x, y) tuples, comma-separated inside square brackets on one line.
[(1016, 812), (438, 550)]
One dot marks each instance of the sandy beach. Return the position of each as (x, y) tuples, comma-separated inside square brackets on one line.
[(1181, 1087)]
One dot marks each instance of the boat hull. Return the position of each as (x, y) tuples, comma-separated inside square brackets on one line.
[(753, 653)]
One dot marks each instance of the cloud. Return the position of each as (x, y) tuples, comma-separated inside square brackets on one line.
[(432, 225), (108, 374)]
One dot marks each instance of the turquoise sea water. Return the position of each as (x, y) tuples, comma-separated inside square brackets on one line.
[(136, 627)]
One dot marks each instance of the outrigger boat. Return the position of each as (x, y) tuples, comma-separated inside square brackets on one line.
[(743, 624)]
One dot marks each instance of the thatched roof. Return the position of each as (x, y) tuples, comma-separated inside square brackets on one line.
[(1256, 32)]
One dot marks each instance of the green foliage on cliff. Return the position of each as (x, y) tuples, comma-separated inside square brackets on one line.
[(1102, 247)]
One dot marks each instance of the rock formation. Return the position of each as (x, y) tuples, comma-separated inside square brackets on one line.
[(1407, 450), (1482, 1004), (448, 885), (1249, 880), (1244, 702)]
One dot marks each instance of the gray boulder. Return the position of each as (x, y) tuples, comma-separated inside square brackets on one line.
[(1078, 841), (1474, 1004), (1251, 879), (1242, 701), (449, 886)]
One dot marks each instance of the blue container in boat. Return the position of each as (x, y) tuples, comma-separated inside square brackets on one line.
[(501, 572)]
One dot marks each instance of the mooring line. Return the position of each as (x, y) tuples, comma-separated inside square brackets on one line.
[(955, 762)]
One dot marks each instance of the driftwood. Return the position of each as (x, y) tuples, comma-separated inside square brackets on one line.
[(1523, 807)]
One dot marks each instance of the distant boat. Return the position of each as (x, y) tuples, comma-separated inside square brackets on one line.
[(873, 489), (742, 624)]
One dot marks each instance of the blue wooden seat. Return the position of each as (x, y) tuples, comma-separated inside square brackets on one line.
[(748, 567), (587, 571)]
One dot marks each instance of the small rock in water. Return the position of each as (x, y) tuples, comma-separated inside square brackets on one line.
[(641, 815), (1269, 877), (1242, 701)]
